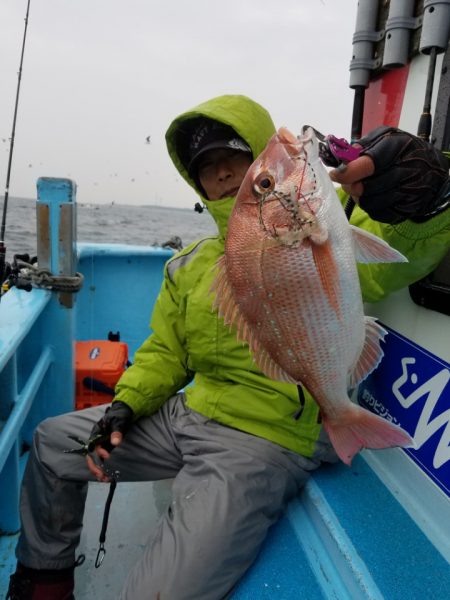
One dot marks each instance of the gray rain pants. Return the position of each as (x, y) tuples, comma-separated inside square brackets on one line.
[(229, 488)]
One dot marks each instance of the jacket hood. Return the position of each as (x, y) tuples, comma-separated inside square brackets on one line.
[(249, 120)]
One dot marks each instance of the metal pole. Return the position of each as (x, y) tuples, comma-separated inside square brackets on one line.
[(11, 150)]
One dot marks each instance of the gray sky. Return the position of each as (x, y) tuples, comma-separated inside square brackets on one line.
[(100, 76)]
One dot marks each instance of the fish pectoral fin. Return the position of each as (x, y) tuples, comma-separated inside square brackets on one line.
[(369, 248), (359, 428), (371, 354), (328, 273)]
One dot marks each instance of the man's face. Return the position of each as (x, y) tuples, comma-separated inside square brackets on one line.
[(221, 172)]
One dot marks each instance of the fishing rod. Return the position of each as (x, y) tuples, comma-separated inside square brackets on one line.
[(357, 123), (433, 41), (11, 150), (424, 127), (362, 63)]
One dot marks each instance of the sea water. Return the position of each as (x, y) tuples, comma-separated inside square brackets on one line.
[(110, 223)]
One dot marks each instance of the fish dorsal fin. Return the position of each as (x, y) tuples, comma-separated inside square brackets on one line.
[(371, 354), (231, 314), (371, 249), (223, 299)]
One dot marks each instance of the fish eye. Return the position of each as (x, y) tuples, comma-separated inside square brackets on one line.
[(264, 183)]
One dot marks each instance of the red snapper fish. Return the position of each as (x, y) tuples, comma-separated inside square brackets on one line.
[(289, 284)]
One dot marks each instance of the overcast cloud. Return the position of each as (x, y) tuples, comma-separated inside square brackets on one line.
[(100, 76)]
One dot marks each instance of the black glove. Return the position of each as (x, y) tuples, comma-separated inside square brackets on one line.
[(117, 417), (411, 179)]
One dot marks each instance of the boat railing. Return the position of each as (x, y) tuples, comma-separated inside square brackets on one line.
[(36, 349)]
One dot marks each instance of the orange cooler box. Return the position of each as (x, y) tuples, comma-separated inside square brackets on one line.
[(98, 366)]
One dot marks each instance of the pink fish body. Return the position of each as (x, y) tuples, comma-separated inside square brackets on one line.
[(288, 281)]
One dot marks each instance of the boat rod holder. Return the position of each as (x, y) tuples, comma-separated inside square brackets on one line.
[(401, 22), (364, 38), (399, 25), (436, 26)]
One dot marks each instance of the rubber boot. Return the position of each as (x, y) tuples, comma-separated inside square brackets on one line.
[(33, 584)]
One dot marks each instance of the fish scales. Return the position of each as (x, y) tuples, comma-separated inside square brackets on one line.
[(288, 281)]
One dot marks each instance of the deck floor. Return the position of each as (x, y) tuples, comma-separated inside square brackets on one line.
[(343, 517), (125, 538)]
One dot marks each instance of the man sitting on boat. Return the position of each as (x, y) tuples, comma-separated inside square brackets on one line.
[(230, 441)]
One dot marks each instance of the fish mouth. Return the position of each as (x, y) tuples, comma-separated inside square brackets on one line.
[(231, 192)]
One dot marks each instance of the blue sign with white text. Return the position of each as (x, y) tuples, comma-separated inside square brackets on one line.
[(411, 388)]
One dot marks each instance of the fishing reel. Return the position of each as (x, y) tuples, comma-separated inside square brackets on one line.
[(13, 273)]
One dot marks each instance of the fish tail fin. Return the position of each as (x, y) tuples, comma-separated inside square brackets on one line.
[(362, 429)]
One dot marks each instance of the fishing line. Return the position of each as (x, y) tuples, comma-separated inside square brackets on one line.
[(11, 150)]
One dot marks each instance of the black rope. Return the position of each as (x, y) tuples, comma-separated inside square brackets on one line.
[(101, 549)]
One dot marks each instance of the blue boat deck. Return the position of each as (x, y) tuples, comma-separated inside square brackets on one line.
[(346, 537)]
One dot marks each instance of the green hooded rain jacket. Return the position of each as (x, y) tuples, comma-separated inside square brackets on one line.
[(189, 342)]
